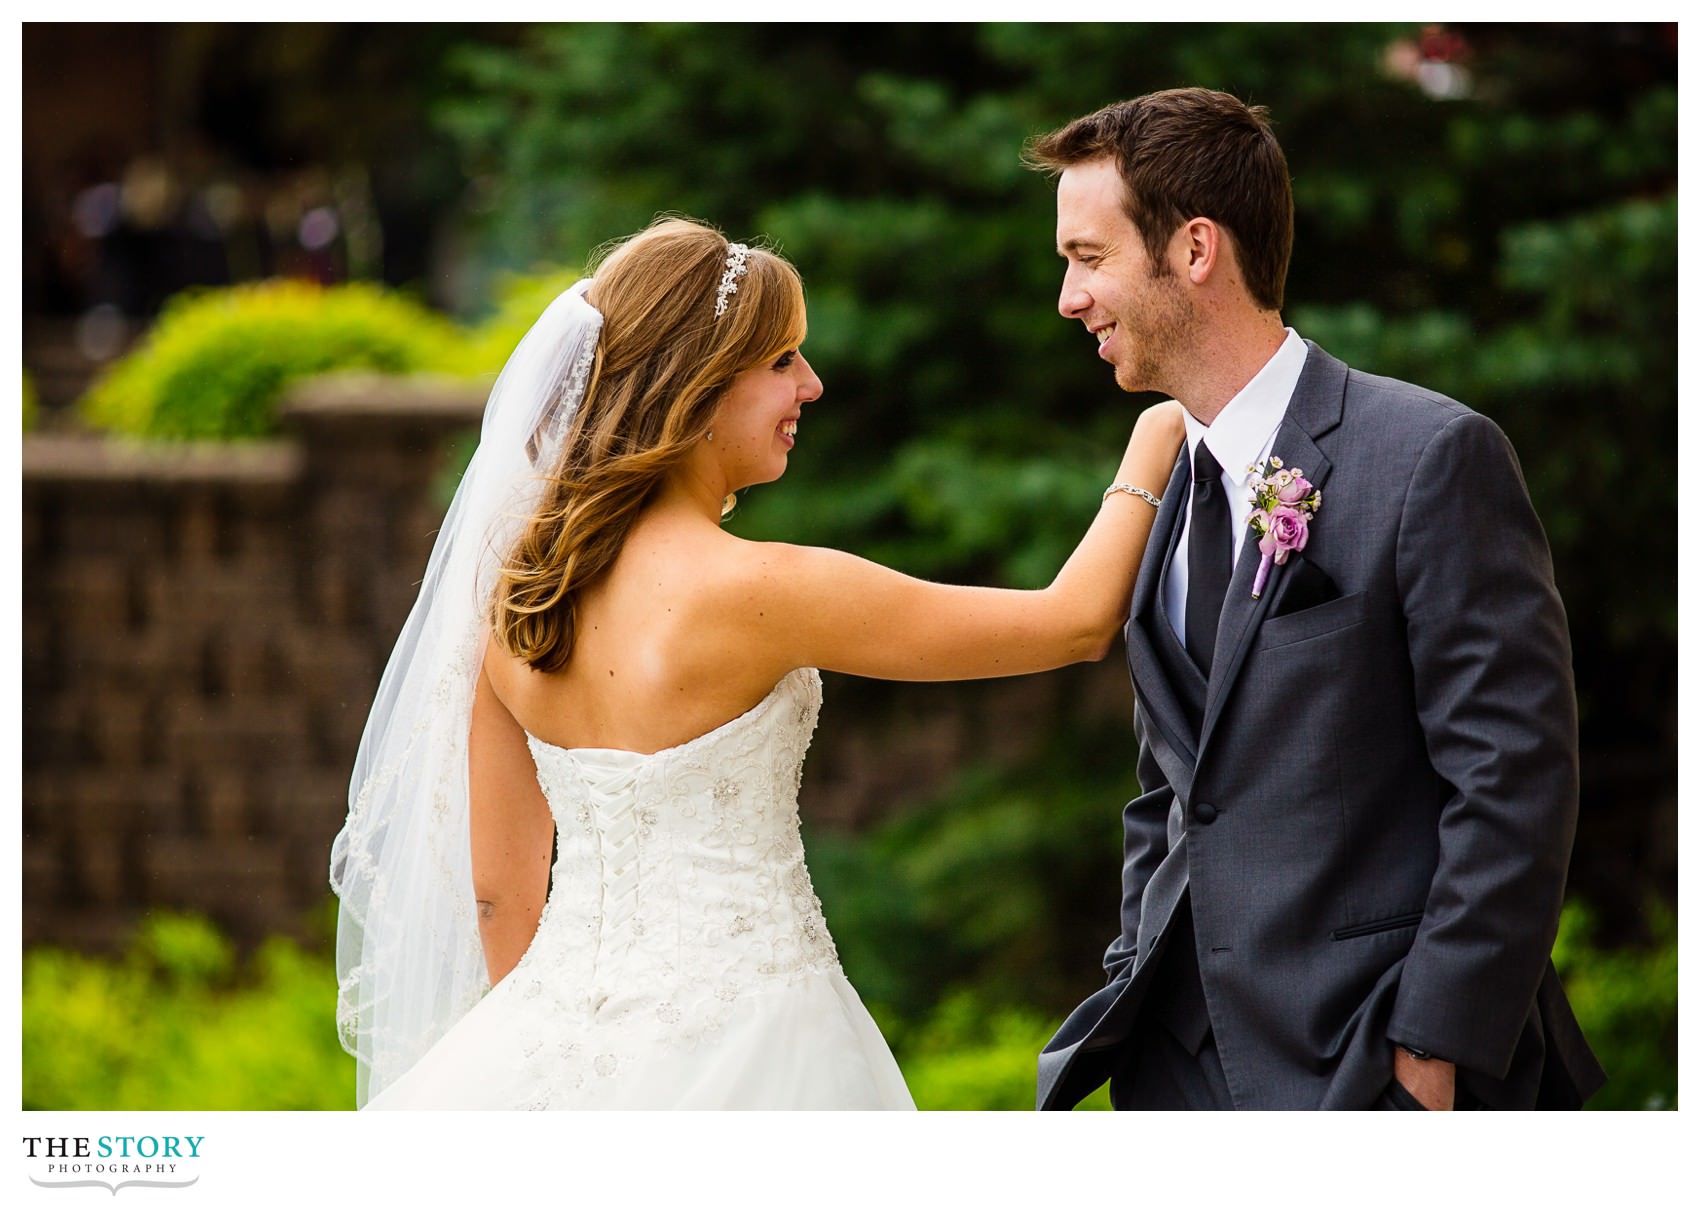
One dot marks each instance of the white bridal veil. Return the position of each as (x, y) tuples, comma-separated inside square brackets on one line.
[(409, 960)]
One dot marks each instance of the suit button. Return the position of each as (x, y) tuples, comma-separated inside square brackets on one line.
[(1204, 813)]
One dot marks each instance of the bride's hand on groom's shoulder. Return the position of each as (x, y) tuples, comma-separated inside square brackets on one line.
[(1157, 436), (1168, 418), (1162, 425)]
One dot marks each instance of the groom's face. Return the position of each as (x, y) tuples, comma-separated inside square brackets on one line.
[(1139, 310)]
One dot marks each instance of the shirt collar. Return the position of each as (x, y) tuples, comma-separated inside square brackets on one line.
[(1242, 431)]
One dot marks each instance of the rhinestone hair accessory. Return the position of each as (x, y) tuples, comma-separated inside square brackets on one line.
[(736, 256)]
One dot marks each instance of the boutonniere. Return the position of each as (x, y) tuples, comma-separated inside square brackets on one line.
[(1283, 506)]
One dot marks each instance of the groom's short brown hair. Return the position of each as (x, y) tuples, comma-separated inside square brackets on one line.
[(1186, 153)]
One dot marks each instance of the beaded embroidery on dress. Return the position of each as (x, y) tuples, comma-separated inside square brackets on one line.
[(682, 960)]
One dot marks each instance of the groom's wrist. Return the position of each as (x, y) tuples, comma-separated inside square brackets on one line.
[(1427, 1078)]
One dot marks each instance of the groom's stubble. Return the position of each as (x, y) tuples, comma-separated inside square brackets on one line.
[(1169, 328)]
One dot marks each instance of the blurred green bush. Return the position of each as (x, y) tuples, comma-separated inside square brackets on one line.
[(967, 1055), (517, 299), (217, 360), (1625, 1000), (175, 1023)]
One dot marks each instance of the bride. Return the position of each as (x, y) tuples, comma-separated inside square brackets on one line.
[(571, 874)]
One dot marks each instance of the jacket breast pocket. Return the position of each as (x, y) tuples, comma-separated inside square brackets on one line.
[(1321, 620)]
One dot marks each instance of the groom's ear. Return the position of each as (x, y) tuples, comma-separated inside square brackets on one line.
[(1202, 248)]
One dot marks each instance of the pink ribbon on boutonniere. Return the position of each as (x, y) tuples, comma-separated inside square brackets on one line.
[(1284, 504)]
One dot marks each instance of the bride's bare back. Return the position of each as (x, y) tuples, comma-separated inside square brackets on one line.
[(653, 664)]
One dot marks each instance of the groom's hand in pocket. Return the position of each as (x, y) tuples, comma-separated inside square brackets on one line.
[(1431, 1082)]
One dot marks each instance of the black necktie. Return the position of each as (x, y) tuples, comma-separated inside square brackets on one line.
[(1209, 557)]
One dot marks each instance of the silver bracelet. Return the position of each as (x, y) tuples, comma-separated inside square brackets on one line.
[(1131, 490)]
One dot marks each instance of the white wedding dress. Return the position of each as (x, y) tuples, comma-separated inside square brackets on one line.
[(682, 960)]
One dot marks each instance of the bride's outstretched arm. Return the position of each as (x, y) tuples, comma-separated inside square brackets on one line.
[(836, 611), (511, 829)]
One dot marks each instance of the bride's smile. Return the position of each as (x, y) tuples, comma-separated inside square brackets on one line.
[(755, 427)]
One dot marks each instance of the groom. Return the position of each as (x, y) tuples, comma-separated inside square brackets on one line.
[(1343, 876)]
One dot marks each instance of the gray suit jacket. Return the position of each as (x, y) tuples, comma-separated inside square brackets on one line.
[(1375, 817)]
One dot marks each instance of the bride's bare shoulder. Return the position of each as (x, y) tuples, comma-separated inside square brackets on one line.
[(755, 569), (502, 669)]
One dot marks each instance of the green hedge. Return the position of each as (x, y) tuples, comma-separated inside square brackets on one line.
[(216, 362), (177, 1024), (1626, 1002), (967, 1055)]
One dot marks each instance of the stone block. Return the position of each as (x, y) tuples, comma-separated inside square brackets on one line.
[(235, 732), (315, 805), (198, 523), (233, 878), (54, 735), (90, 929), (90, 595), (42, 800), (225, 802), (101, 870), (100, 528), (131, 803), (118, 734), (43, 873)]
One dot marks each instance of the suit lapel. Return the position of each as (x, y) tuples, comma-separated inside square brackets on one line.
[(1149, 681), (1318, 399)]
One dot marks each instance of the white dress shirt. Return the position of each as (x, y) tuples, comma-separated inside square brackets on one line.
[(1241, 435)]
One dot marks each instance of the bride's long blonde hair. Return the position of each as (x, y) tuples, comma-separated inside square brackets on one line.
[(663, 361)]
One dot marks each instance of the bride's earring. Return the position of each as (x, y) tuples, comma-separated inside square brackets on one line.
[(711, 435)]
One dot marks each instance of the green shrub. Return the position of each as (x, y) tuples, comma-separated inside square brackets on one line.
[(176, 1024), (32, 406), (1625, 1000), (971, 1056), (216, 362), (519, 300)]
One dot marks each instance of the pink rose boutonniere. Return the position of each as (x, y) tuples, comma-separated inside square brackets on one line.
[(1283, 506)]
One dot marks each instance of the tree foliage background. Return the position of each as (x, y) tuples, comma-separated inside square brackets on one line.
[(1514, 248)]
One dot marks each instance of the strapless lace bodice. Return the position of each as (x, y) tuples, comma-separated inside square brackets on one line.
[(682, 959), (679, 885)]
